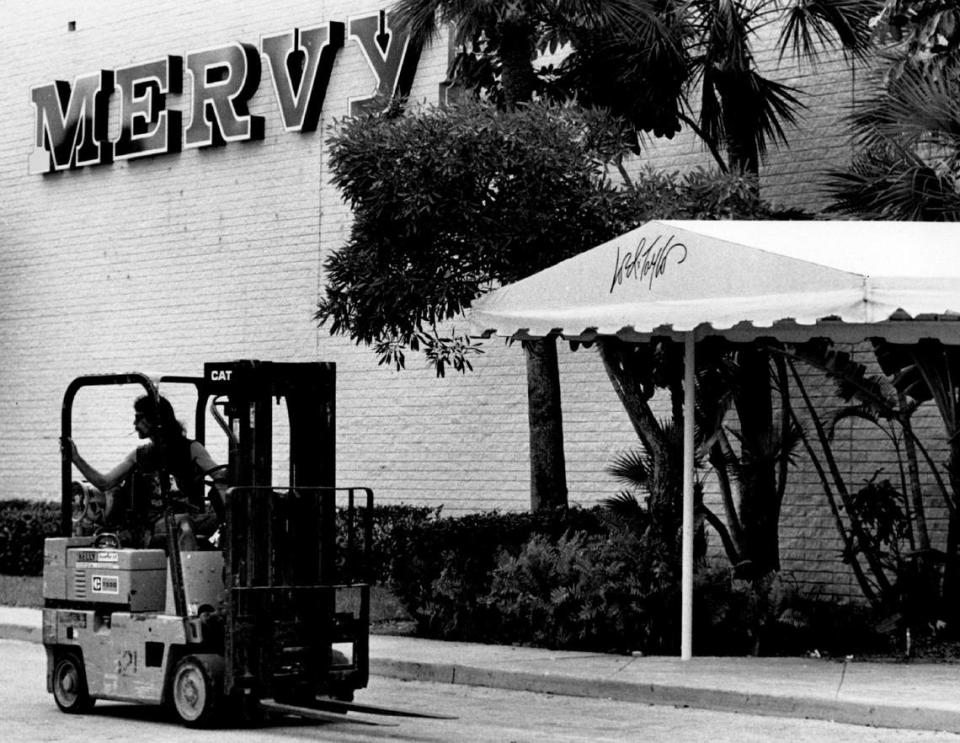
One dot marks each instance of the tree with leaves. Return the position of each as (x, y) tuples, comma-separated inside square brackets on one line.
[(510, 32), (447, 203), (907, 133), (659, 64)]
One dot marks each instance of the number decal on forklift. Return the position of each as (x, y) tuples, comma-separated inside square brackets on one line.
[(127, 662), (104, 584)]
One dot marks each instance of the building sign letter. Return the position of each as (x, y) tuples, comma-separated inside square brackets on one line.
[(389, 55), (300, 63), (71, 124), (224, 80), (146, 126)]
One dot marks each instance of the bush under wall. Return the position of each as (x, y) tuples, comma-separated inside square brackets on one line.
[(564, 579), (442, 568), (23, 527)]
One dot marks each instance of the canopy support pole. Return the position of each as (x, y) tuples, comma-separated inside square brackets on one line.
[(686, 563)]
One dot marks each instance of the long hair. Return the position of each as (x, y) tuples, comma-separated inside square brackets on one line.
[(159, 412)]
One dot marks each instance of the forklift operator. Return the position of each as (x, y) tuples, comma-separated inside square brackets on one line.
[(167, 453)]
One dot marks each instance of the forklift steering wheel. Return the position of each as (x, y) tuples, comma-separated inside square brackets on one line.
[(208, 475), (107, 540)]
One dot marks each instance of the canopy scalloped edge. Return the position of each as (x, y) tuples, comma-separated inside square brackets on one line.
[(945, 328)]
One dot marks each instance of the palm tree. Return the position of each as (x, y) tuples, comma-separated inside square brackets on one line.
[(908, 141), (647, 59), (510, 33), (704, 48), (908, 134)]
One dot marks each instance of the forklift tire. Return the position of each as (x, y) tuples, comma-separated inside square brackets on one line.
[(70, 685), (195, 689)]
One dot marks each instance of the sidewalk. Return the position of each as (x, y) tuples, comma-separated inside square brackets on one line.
[(922, 696)]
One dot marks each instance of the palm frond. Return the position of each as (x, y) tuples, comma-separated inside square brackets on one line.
[(631, 468), (624, 506), (862, 412), (814, 25), (901, 188), (917, 106), (748, 106)]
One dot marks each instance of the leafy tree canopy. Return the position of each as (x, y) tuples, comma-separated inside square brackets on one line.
[(450, 202)]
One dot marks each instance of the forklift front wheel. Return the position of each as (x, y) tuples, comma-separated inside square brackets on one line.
[(70, 685), (195, 689)]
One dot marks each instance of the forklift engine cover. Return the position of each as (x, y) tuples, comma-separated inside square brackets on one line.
[(75, 570)]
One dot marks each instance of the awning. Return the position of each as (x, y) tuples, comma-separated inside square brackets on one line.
[(742, 280), (847, 280)]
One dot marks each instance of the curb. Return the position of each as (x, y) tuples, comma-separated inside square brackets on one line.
[(22, 632), (852, 713)]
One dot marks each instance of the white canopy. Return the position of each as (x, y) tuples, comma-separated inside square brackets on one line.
[(744, 280)]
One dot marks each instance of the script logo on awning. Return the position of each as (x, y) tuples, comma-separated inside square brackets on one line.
[(647, 261)]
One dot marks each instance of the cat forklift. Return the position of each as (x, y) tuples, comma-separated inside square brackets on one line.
[(273, 620)]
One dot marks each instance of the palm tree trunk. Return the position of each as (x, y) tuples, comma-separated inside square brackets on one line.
[(759, 504), (548, 485), (516, 63)]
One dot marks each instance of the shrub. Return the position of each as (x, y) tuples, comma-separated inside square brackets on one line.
[(771, 617), (596, 592), (392, 527), (442, 568), (23, 527)]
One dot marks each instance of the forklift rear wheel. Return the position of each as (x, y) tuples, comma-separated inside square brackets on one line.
[(70, 685), (195, 689)]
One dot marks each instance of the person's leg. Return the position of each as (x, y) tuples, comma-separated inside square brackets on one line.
[(187, 539)]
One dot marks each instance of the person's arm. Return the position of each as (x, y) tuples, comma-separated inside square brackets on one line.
[(102, 481), (204, 464)]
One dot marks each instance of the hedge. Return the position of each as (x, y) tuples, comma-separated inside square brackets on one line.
[(573, 579), (23, 526)]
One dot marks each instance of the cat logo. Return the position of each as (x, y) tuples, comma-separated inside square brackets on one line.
[(220, 375), (104, 584)]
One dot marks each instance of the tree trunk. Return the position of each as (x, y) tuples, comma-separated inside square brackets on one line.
[(665, 484), (516, 63), (740, 123), (951, 570), (760, 504), (548, 485), (548, 474)]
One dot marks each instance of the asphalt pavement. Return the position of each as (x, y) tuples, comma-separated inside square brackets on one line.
[(910, 694)]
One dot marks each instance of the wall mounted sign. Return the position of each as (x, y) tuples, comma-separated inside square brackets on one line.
[(72, 120)]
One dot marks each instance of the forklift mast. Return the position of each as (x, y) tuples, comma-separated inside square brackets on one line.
[(248, 390), (251, 387), (283, 572)]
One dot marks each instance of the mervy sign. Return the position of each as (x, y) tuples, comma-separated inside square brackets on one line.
[(72, 120)]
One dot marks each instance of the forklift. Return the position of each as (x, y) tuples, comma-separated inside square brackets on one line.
[(274, 619)]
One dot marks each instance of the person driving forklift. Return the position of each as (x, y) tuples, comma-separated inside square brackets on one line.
[(167, 453)]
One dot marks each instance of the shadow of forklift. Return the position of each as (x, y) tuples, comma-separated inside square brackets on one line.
[(276, 621)]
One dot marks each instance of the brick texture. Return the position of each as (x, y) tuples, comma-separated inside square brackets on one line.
[(216, 254)]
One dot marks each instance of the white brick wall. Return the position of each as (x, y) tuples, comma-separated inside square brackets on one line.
[(209, 255)]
